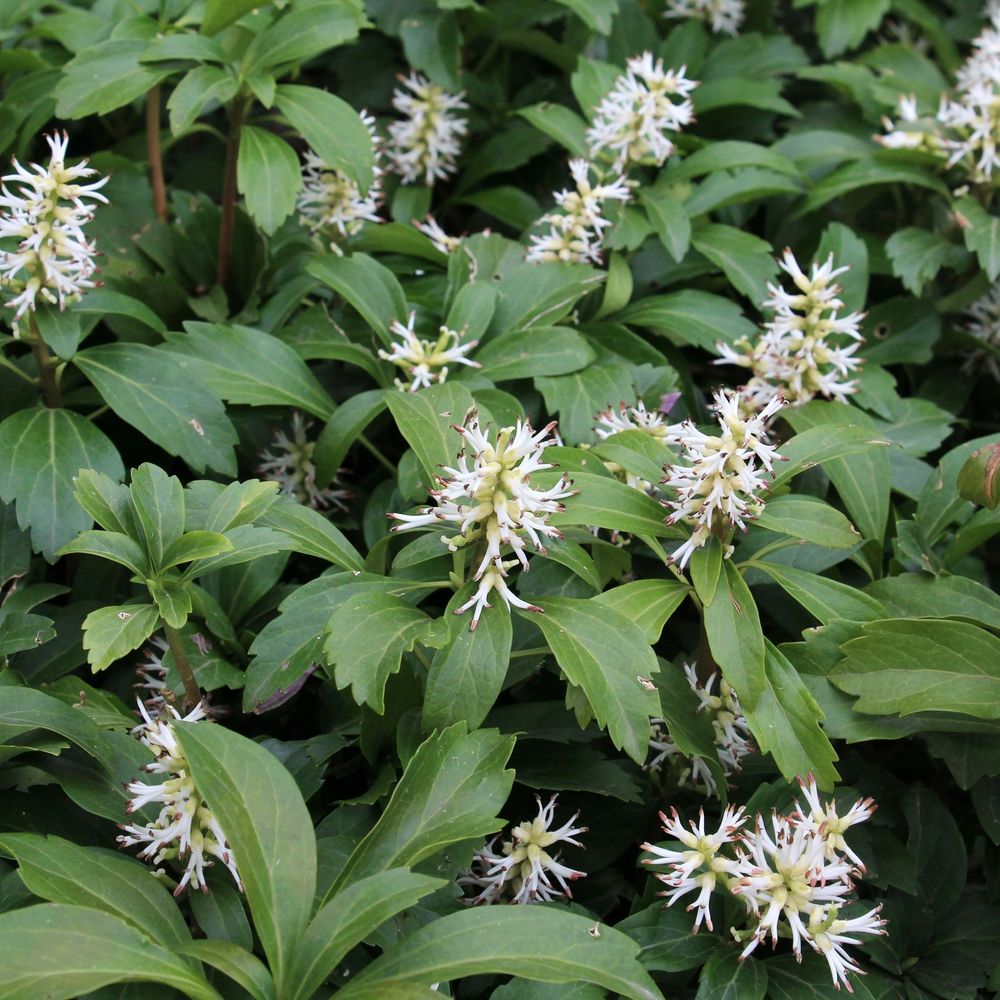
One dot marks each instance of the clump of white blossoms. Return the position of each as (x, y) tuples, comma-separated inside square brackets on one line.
[(983, 323), (793, 879), (331, 201), (576, 229), (442, 241), (185, 827), (424, 144), (494, 506), (47, 213), (646, 102), (425, 362), (910, 129), (733, 739), (722, 16), (718, 489), (630, 418), (524, 865), (289, 463)]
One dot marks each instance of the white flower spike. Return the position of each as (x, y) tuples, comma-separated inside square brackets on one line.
[(185, 827), (426, 362), (722, 16), (425, 143), (443, 243), (47, 213), (525, 865), (493, 504), (646, 102), (289, 463)]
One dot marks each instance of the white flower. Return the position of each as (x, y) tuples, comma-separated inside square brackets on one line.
[(185, 825), (806, 349), (828, 934), (525, 865), (576, 229), (47, 215), (983, 65), (426, 362), (426, 142), (290, 464), (442, 241), (698, 867), (974, 119), (984, 324), (722, 16), (152, 675), (924, 133), (493, 503), (828, 824), (631, 418), (631, 122), (330, 200), (733, 739), (719, 488)]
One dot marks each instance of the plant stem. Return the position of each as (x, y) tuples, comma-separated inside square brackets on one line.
[(385, 463), (706, 665), (236, 109), (155, 153), (192, 693), (534, 651), (46, 367)]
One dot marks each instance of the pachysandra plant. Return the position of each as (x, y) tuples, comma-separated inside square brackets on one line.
[(336, 235)]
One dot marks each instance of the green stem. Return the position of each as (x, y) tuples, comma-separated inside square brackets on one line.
[(192, 693), (372, 449), (236, 110), (422, 657), (155, 153), (7, 363), (534, 651), (99, 412), (46, 367)]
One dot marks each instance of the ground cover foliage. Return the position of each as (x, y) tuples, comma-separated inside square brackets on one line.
[(533, 463)]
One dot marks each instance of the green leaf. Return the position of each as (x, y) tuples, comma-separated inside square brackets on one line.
[(197, 89), (109, 633), (917, 255), (553, 350), (367, 285), (690, 317), (158, 500), (981, 232), (785, 720), (60, 871), (240, 504), (825, 443), (735, 637), (343, 429), (219, 13), (350, 917), (41, 450), (427, 420), (24, 709), (705, 568), (268, 176), (666, 939), (920, 595), (107, 502), (789, 979), (467, 672), (865, 482), (531, 296), (979, 478), (148, 388), (737, 187), (450, 792), (841, 25), (810, 519), (194, 545), (902, 667), (84, 949), (603, 502), (560, 123), (110, 545), (825, 599), (304, 32), (366, 638), (173, 600), (849, 250), (533, 942), (746, 260), (727, 154), (106, 76), (332, 128), (184, 45), (742, 92), (312, 534), (576, 397), (107, 302), (879, 169), (665, 210), (649, 603), (725, 977), (243, 967), (269, 829), (607, 656), (243, 365)]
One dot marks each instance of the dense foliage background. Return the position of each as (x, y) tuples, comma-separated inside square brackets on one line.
[(257, 318)]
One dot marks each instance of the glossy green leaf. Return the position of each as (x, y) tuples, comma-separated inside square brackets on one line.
[(109, 633), (559, 123), (312, 534), (370, 287), (649, 603), (665, 210), (158, 500), (111, 545), (809, 519), (24, 709), (240, 965), (552, 350), (732, 625), (746, 260), (219, 13), (343, 429), (304, 32), (603, 502), (981, 232), (268, 828), (607, 656), (268, 176), (725, 977), (690, 317), (824, 443), (106, 76), (823, 598), (41, 451)]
